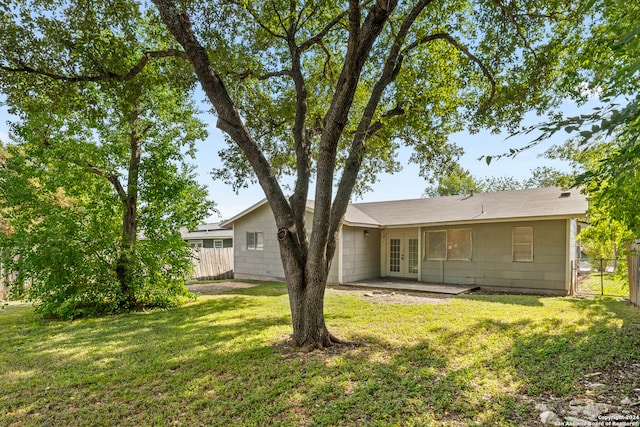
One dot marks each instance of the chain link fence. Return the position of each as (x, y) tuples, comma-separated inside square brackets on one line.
[(601, 276)]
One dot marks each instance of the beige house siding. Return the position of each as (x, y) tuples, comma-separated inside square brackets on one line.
[(264, 264), (492, 266), (257, 264), (360, 254)]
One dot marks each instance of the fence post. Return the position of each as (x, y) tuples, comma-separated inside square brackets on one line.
[(601, 279)]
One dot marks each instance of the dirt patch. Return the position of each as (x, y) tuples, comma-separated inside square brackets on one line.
[(218, 287), (372, 295), (376, 296)]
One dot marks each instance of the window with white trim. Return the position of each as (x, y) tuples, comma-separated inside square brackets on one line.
[(196, 244), (255, 240), (522, 238), (218, 244), (453, 244)]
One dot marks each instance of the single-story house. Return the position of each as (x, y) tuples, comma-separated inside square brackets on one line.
[(210, 235), (514, 241)]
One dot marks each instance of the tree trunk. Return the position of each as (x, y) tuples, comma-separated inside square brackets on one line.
[(124, 265), (307, 311), (306, 266), (306, 276), (306, 288), (129, 199)]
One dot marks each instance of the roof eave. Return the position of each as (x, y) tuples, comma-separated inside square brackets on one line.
[(488, 220), (361, 224)]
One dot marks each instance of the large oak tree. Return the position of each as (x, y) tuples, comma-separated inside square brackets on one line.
[(95, 162), (325, 92)]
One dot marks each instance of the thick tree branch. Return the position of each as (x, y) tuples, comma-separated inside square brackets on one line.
[(365, 130), (22, 67), (361, 40), (301, 142), (229, 120)]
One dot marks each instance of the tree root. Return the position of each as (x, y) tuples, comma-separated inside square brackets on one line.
[(329, 341)]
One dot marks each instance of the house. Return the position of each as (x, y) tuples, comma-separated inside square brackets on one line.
[(514, 241), (210, 235)]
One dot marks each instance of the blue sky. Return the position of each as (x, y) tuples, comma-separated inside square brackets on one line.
[(406, 184), (403, 185)]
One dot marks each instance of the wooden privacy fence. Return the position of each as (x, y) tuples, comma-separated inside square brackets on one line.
[(212, 264), (633, 264), (5, 276)]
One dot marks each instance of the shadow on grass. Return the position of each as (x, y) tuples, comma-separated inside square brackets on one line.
[(526, 300), (269, 289), (214, 362)]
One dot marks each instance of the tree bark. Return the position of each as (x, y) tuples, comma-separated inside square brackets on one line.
[(125, 263), (306, 265)]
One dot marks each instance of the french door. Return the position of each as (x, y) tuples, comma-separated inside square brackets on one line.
[(402, 256)]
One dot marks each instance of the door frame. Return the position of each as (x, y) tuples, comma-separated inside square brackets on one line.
[(404, 236)]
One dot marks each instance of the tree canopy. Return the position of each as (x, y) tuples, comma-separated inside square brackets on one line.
[(96, 163), (325, 92), (605, 146)]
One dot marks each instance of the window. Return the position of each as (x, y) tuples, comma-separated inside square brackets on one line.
[(217, 244), (196, 244), (454, 244), (459, 244), (437, 244), (522, 238), (255, 240), (413, 255), (394, 255)]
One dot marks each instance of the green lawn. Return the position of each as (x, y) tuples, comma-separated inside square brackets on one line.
[(220, 361), (604, 283)]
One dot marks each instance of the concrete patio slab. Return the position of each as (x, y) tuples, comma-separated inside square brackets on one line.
[(412, 286)]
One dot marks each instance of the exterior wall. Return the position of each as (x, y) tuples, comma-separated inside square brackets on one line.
[(264, 264), (360, 254), (492, 265)]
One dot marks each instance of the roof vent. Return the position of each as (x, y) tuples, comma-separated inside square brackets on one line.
[(471, 192), (565, 194)]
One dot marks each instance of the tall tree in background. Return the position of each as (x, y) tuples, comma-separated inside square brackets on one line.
[(605, 144), (326, 92), (460, 181), (94, 163)]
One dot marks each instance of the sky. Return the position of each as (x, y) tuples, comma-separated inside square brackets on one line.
[(406, 184)]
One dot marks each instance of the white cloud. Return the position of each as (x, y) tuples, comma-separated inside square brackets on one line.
[(589, 92)]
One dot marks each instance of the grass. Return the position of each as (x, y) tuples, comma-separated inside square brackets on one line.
[(220, 361), (605, 283)]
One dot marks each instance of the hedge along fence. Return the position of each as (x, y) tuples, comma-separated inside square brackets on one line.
[(212, 264), (208, 263), (633, 264)]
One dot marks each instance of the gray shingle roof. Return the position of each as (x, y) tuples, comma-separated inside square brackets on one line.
[(551, 202), (538, 203), (211, 230)]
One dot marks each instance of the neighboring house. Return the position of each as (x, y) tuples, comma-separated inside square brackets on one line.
[(210, 235), (515, 241)]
